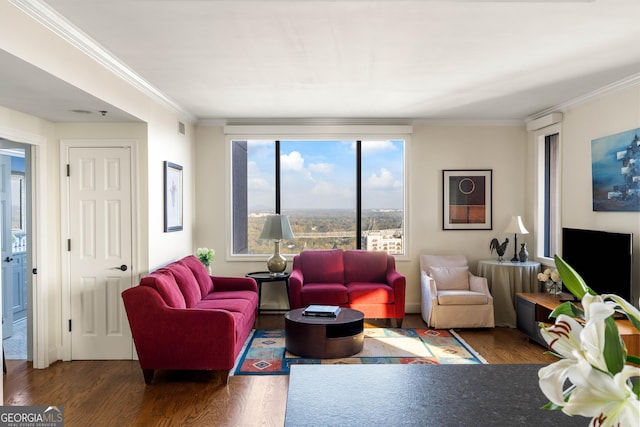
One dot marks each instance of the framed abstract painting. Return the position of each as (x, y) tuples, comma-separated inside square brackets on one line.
[(615, 172), (466, 199)]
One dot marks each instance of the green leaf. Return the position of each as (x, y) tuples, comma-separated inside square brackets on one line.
[(568, 309), (614, 350), (634, 360), (551, 406), (571, 279)]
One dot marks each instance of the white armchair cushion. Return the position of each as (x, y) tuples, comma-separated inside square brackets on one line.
[(451, 278), (461, 298)]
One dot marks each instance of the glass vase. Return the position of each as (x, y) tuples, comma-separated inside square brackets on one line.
[(553, 288)]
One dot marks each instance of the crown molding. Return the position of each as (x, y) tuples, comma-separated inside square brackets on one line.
[(625, 83), (58, 24)]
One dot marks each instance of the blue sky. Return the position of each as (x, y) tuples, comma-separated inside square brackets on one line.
[(321, 174)]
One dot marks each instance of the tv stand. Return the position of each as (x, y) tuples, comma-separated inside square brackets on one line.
[(533, 308)]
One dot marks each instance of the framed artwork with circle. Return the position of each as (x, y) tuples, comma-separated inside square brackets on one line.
[(466, 199)]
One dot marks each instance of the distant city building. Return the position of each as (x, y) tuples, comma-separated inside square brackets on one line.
[(389, 241)]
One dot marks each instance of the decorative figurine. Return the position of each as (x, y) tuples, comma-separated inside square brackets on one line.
[(500, 248)]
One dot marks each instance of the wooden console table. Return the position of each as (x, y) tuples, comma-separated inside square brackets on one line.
[(532, 308)]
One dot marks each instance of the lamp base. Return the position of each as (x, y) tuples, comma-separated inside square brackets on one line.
[(515, 249), (276, 262)]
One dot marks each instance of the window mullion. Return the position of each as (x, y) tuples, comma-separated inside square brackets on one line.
[(277, 177), (358, 194)]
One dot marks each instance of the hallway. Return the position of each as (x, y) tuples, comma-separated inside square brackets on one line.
[(15, 347)]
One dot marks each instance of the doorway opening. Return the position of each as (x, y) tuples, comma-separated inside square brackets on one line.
[(15, 179)]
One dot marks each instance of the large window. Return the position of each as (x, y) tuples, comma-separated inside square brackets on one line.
[(548, 201), (344, 194)]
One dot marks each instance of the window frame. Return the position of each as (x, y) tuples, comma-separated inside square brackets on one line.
[(548, 222), (283, 133)]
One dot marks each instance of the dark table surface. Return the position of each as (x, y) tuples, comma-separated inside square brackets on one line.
[(346, 315), (419, 395)]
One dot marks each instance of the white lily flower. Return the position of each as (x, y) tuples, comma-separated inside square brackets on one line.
[(551, 380), (563, 337), (568, 338), (629, 309), (581, 382), (592, 335), (608, 399)]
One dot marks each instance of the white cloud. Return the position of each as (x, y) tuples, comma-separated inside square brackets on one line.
[(369, 147), (292, 161), (382, 181), (253, 168), (323, 188), (323, 168), (259, 184)]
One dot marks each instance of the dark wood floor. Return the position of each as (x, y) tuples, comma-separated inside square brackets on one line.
[(113, 393)]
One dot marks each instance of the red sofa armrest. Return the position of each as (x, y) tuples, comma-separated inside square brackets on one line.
[(296, 280), (234, 284), (171, 338), (399, 284)]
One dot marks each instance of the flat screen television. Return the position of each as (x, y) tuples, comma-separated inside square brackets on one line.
[(603, 259)]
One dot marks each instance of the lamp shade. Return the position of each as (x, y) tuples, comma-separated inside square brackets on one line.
[(516, 226), (276, 227)]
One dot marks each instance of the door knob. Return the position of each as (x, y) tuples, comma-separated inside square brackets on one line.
[(8, 259), (122, 267)]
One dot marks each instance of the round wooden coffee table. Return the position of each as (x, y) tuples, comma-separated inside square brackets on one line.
[(324, 337)]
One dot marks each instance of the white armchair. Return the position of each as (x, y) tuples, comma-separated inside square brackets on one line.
[(452, 297)]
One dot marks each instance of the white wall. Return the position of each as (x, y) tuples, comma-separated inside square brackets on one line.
[(27, 40), (432, 149), (611, 114)]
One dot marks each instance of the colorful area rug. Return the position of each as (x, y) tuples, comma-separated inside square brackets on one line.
[(264, 353)]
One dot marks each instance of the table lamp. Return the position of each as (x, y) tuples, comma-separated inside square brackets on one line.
[(276, 228), (516, 227)]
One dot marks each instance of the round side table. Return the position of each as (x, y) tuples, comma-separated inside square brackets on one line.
[(264, 276)]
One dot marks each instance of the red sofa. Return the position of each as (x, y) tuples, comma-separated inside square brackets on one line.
[(358, 279), (183, 318)]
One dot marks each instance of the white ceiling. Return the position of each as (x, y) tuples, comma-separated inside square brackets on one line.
[(428, 59)]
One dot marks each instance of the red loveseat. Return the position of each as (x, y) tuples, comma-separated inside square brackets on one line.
[(183, 318), (358, 279)]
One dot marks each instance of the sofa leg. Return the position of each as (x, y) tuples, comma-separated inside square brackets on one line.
[(224, 375), (399, 323), (148, 375)]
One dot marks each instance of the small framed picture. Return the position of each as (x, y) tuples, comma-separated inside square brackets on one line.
[(466, 199), (172, 197)]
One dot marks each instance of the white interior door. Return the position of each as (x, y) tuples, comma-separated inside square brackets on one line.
[(100, 227), (5, 242)]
